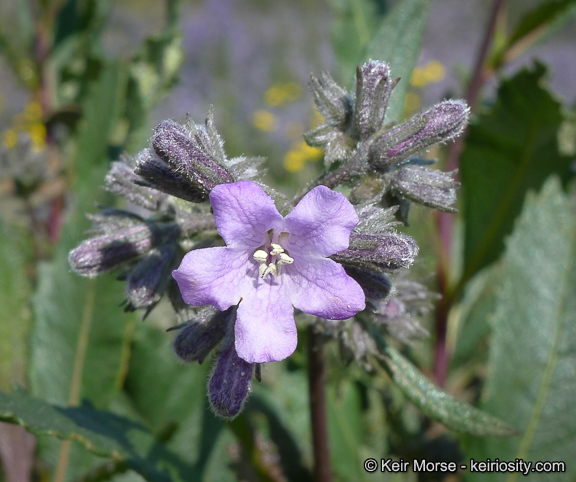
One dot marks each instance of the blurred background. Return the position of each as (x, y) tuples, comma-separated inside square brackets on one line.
[(83, 81)]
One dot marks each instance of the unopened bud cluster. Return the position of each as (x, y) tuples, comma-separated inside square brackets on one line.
[(354, 133), (171, 182)]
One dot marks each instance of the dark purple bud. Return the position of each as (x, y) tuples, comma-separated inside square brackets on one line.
[(199, 336), (379, 252), (441, 123), (230, 384), (158, 175), (375, 285), (123, 181), (332, 100), (146, 283), (373, 88), (176, 147), (430, 187), (123, 240)]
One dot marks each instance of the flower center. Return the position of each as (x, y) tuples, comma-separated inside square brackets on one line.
[(271, 259)]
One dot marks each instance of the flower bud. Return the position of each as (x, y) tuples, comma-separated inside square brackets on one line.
[(122, 239), (375, 285), (379, 252), (230, 384), (184, 155), (332, 100), (441, 123), (123, 181), (373, 89), (430, 187), (157, 175), (199, 336), (146, 283)]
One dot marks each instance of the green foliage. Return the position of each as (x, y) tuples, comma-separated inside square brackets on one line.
[(511, 148), (434, 402), (127, 443), (533, 349), (14, 313), (364, 30), (398, 40), (536, 25)]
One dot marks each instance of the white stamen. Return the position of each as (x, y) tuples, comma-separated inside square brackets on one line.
[(271, 268), (284, 259), (261, 256), (276, 249)]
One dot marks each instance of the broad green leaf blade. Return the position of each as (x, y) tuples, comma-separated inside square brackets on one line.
[(512, 148), (103, 433), (435, 403), (167, 393), (398, 42), (533, 350)]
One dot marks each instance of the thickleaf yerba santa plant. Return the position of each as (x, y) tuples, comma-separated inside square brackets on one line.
[(241, 264)]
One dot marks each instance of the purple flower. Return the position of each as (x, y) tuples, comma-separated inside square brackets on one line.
[(273, 264)]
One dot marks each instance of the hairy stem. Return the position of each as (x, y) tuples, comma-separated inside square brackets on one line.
[(317, 389), (444, 221)]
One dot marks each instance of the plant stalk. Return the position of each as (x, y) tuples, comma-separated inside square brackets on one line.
[(318, 413), (445, 221)]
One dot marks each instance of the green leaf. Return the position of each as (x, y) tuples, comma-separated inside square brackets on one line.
[(540, 23), (102, 433), (474, 311), (14, 307), (435, 403), (398, 42), (345, 427), (533, 350), (512, 148), (167, 393), (100, 113), (354, 25)]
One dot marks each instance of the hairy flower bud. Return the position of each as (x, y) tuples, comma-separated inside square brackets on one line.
[(373, 89), (379, 252), (332, 100), (441, 123), (122, 238), (183, 153), (230, 384), (146, 283), (199, 336), (375, 285), (182, 164), (159, 175), (123, 181), (430, 187)]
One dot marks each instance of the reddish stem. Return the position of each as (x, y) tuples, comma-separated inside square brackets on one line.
[(444, 221), (317, 389)]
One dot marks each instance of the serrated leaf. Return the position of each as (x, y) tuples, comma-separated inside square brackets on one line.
[(398, 41), (103, 433), (434, 402), (533, 350), (512, 148)]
